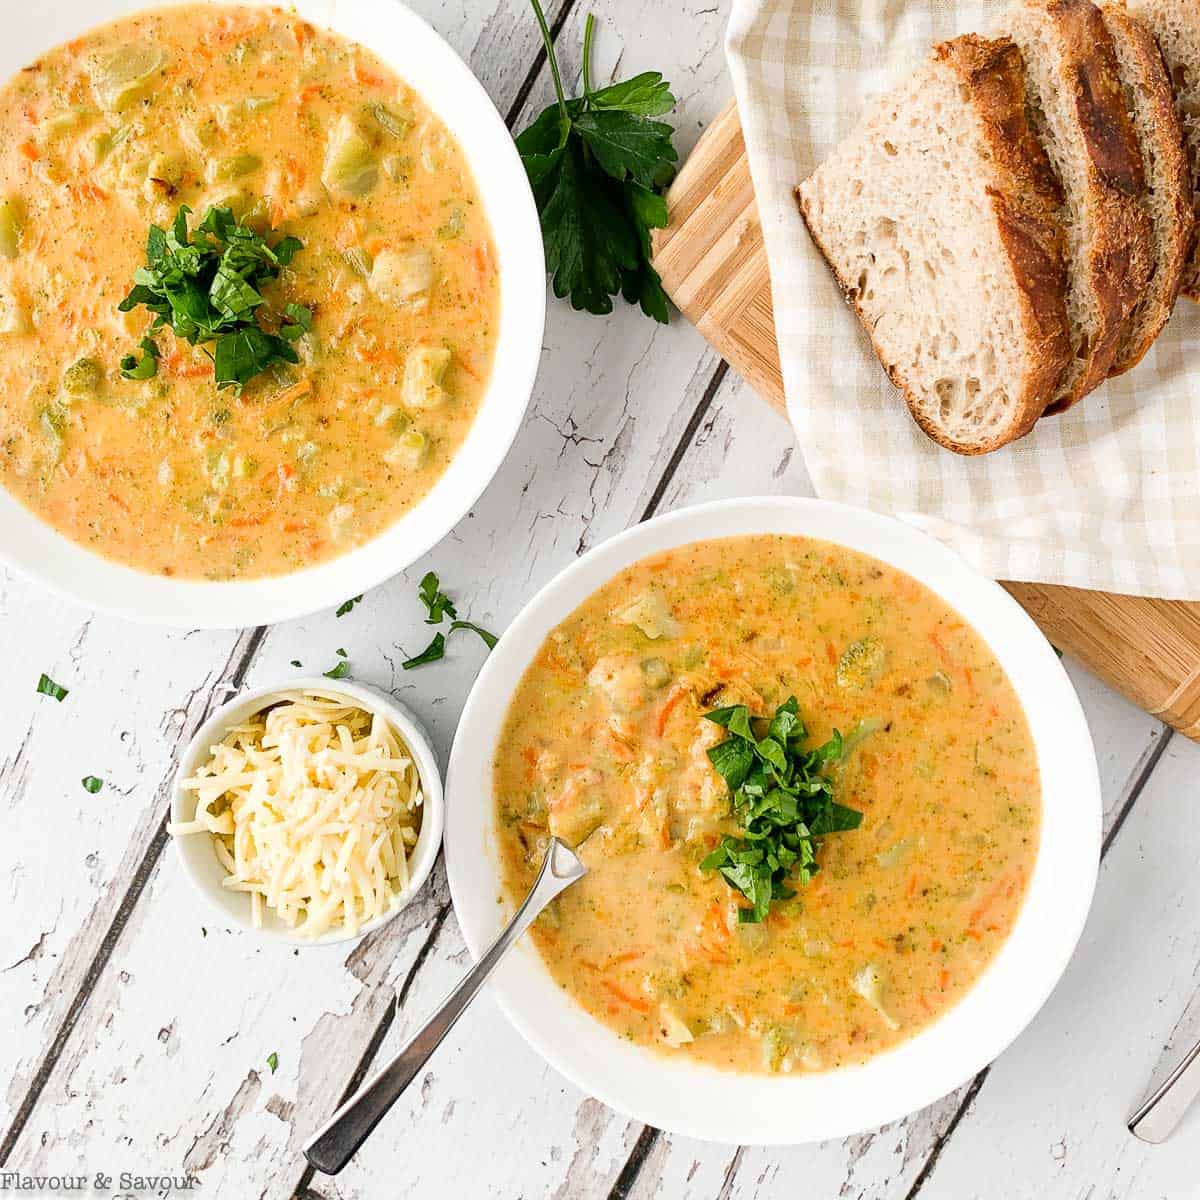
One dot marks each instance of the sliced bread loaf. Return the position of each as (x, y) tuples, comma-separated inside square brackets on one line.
[(1176, 26), (1078, 111), (938, 216), (1168, 197)]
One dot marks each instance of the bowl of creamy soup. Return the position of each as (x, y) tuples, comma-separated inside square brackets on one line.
[(838, 802), (271, 301)]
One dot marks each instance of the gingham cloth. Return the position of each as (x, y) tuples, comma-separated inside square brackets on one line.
[(1105, 496)]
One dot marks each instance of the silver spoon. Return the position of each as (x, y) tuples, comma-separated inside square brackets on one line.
[(334, 1144), (1156, 1117)]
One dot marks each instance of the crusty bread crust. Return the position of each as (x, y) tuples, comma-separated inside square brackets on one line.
[(1175, 24), (1119, 257), (1165, 162), (1025, 201)]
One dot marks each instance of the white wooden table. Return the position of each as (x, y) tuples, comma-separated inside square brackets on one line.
[(134, 1039)]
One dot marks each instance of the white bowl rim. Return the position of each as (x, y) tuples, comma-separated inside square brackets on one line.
[(245, 702), (698, 1101), (421, 57)]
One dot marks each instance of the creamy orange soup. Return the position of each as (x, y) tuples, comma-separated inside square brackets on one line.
[(299, 132), (606, 746)]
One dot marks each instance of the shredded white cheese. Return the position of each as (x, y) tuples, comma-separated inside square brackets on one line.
[(313, 806)]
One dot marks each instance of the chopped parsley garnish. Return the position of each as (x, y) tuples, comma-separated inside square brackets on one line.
[(341, 653), (347, 606), (207, 287), (440, 606), (273, 1061), (297, 663), (92, 784), (338, 672), (489, 639), (144, 368), (435, 600), (597, 165), (47, 687), (782, 801), (435, 650)]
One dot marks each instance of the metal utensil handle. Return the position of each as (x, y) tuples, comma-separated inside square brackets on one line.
[(1157, 1116), (334, 1144)]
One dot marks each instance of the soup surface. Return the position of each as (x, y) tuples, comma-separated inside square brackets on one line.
[(299, 132), (606, 744)]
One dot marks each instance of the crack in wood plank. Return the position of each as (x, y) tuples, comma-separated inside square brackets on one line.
[(642, 1150), (686, 439), (205, 1147), (973, 1089), (539, 63), (1141, 776)]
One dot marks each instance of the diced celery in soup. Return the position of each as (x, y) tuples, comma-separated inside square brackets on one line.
[(606, 745), (299, 132)]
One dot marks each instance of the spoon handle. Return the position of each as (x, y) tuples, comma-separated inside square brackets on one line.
[(1157, 1116), (334, 1144)]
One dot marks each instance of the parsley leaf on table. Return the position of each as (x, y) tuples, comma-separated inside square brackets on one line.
[(596, 165), (47, 687), (440, 606), (782, 800), (435, 600), (489, 639), (206, 285), (434, 651)]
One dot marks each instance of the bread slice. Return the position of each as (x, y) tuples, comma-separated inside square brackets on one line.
[(1168, 198), (938, 216), (1078, 111), (1176, 27)]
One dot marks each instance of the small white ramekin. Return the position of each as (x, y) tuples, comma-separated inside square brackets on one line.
[(195, 851)]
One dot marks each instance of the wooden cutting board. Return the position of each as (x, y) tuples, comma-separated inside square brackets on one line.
[(713, 265)]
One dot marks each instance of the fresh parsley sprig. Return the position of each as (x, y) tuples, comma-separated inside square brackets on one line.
[(207, 287), (597, 165), (782, 800)]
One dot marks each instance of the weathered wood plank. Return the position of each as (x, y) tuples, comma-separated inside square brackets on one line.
[(69, 858)]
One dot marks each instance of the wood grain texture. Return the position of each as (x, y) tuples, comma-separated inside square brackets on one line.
[(712, 259), (714, 266)]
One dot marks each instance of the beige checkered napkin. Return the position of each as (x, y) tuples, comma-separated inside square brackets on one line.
[(1105, 496)]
